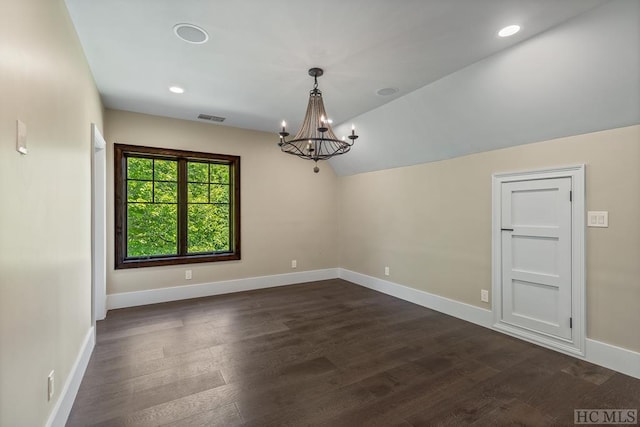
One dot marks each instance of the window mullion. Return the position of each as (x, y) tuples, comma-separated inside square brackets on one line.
[(153, 181), (182, 207)]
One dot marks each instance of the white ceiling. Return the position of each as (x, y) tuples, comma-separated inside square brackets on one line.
[(253, 70), (576, 78)]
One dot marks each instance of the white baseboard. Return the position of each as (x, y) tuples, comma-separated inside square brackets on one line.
[(62, 408), (470, 313), (175, 293), (614, 357), (597, 352)]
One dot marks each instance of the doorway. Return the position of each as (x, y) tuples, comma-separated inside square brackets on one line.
[(538, 257), (98, 225)]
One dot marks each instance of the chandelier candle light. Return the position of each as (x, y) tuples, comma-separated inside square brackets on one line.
[(315, 140)]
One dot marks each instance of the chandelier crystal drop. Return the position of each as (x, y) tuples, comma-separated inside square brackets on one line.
[(315, 140)]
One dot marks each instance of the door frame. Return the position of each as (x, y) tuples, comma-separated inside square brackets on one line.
[(578, 266), (98, 225)]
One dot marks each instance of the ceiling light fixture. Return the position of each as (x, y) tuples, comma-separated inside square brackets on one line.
[(191, 33), (176, 89), (315, 140), (509, 30)]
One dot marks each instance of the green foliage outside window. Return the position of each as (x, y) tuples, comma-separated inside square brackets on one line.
[(208, 207), (152, 207), (152, 210), (175, 206)]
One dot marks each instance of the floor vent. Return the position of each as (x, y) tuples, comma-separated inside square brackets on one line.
[(211, 118)]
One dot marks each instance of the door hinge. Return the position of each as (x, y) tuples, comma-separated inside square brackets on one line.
[(570, 322), (570, 196)]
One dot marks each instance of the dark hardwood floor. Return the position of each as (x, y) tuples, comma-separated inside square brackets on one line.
[(327, 353)]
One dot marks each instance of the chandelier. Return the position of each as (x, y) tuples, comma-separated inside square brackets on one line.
[(315, 140)]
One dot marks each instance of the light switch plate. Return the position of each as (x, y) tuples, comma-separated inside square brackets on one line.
[(598, 219), (21, 137)]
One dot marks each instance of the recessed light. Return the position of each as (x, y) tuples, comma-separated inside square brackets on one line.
[(176, 89), (387, 91), (509, 30), (191, 33)]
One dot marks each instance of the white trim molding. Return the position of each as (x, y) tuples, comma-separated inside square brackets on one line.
[(470, 313), (62, 408), (98, 225), (577, 345), (596, 352), (175, 293), (613, 357)]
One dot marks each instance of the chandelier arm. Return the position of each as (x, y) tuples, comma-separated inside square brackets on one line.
[(340, 147), (293, 147), (332, 147)]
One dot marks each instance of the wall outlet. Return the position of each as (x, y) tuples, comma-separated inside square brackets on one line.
[(294, 263), (188, 274), (386, 271), (484, 295), (51, 384)]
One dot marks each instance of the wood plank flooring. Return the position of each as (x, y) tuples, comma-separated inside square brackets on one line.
[(327, 353)]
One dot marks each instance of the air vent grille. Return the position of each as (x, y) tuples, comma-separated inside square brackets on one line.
[(211, 118)]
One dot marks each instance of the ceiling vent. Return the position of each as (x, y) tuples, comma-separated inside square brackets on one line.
[(211, 118)]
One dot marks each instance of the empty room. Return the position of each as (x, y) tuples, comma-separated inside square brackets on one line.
[(338, 213)]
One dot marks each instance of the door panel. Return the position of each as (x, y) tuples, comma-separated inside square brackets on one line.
[(524, 293), (529, 207), (536, 255)]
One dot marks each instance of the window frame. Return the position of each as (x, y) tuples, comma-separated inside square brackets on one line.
[(121, 153)]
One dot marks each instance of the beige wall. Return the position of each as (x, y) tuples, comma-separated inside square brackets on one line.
[(45, 214), (287, 211), (431, 224)]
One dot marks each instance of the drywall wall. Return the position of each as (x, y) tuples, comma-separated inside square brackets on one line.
[(579, 77), (287, 211), (45, 214), (431, 224)]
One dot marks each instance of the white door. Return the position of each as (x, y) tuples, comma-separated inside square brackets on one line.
[(536, 240)]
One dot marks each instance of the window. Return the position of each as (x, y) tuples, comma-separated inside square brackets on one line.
[(175, 207)]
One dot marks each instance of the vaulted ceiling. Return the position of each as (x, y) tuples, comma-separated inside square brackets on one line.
[(444, 58)]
